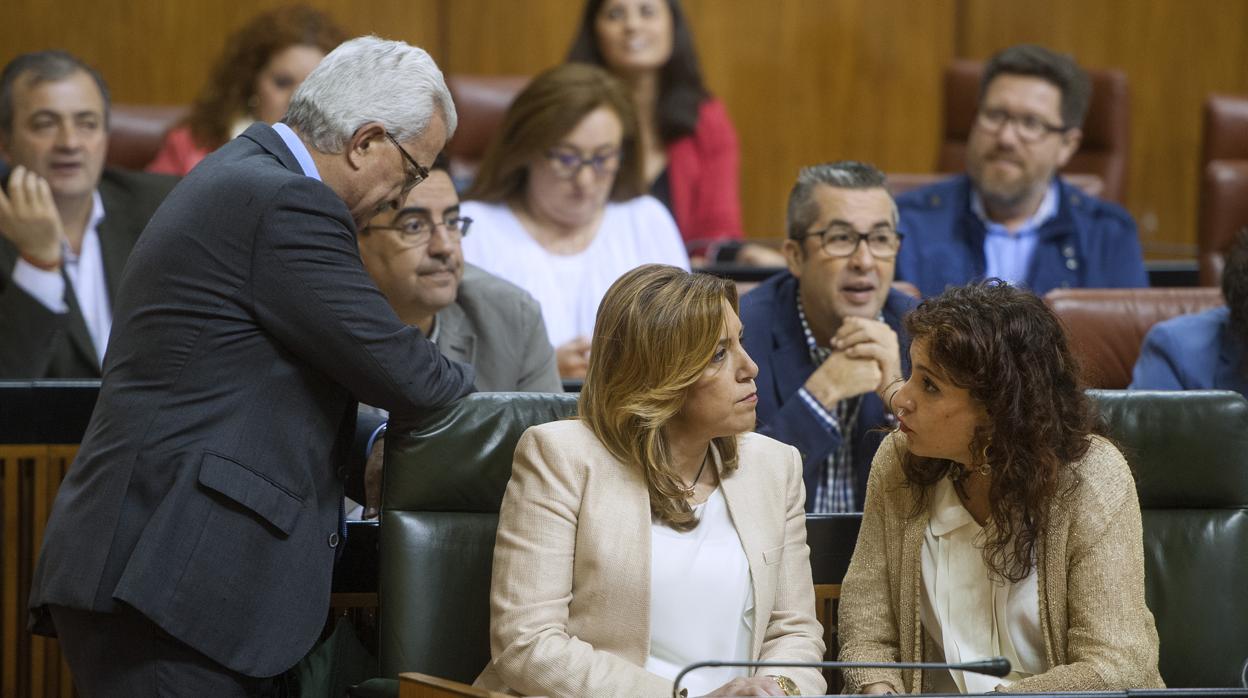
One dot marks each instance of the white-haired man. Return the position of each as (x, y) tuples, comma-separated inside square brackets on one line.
[(190, 548)]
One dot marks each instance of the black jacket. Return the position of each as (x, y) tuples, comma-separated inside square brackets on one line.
[(38, 343)]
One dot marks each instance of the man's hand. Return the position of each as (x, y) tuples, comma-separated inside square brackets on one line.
[(29, 219), (372, 479), (861, 338), (573, 358), (843, 376)]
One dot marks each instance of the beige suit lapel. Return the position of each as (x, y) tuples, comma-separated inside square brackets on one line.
[(621, 555), (911, 588)]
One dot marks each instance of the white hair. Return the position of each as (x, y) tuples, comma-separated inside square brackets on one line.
[(370, 79)]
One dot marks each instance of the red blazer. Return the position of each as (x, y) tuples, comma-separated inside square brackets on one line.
[(702, 171)]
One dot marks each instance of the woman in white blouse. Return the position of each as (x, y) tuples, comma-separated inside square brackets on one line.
[(558, 205), (655, 531), (996, 523)]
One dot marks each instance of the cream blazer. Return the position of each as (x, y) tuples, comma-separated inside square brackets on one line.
[(1098, 633), (570, 598)]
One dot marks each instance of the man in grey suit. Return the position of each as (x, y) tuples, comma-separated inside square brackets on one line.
[(67, 223), (190, 547), (416, 259)]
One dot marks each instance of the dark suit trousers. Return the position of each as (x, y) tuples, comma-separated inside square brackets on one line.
[(125, 654)]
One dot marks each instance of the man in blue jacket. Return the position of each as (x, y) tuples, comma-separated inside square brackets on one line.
[(825, 332), (1011, 216)]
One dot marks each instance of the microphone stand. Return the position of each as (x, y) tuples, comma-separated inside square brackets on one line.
[(993, 666)]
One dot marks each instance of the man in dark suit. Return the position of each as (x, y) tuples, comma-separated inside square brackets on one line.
[(825, 332), (65, 228), (190, 547)]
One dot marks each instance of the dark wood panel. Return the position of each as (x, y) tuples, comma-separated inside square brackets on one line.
[(808, 81), (160, 52), (501, 37)]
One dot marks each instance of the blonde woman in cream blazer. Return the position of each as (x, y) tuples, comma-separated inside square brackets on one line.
[(571, 594)]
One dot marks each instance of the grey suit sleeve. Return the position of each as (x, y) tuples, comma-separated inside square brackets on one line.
[(540, 372), (312, 293), (29, 333)]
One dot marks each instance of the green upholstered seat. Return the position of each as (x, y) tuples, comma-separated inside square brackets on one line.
[(445, 476), (1189, 451)]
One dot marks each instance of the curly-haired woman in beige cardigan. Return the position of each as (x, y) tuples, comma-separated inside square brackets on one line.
[(996, 522)]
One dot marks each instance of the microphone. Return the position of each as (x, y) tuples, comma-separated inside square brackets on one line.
[(993, 666)]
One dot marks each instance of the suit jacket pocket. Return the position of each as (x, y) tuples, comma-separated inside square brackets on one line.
[(271, 501), (774, 555)]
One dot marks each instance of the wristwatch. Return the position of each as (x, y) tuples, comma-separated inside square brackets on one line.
[(786, 684)]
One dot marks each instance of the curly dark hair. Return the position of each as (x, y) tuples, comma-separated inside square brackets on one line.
[(233, 80), (681, 90), (1235, 289), (1009, 351)]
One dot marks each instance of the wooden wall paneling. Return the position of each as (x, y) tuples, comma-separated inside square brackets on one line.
[(155, 52), (502, 37), (1174, 53), (808, 81), (29, 475)]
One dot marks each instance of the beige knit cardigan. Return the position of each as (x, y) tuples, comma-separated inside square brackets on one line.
[(1098, 632)]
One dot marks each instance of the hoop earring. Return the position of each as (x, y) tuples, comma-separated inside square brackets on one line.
[(983, 468)]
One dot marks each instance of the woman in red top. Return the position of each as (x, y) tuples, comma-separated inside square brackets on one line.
[(253, 80), (691, 159)]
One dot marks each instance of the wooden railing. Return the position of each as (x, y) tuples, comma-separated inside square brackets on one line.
[(30, 665)]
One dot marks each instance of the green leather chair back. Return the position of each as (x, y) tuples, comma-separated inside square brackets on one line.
[(1189, 451), (445, 476)]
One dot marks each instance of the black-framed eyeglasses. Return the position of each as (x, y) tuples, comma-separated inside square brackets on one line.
[(1029, 127), (417, 230), (841, 240), (568, 163), (415, 177)]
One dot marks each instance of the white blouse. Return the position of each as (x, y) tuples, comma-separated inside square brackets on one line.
[(701, 599), (569, 287), (967, 614)]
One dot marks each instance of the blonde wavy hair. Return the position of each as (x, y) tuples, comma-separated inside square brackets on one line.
[(656, 331)]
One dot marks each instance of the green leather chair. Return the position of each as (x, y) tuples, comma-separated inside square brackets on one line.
[(1189, 451), (445, 477)]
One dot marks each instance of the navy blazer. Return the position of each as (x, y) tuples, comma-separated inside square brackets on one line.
[(1192, 352), (774, 339), (1090, 243), (206, 493)]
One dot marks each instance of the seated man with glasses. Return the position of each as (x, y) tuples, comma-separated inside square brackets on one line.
[(826, 334), (1010, 216), (416, 259)]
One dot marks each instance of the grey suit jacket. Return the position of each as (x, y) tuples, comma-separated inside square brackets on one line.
[(38, 343), (206, 493), (497, 327)]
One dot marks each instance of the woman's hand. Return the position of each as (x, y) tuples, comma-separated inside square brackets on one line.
[(752, 686), (879, 688), (573, 358)]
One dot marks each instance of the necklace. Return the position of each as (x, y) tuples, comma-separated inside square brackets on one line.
[(688, 491)]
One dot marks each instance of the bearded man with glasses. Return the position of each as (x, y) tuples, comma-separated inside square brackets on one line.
[(826, 334), (1011, 216)]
